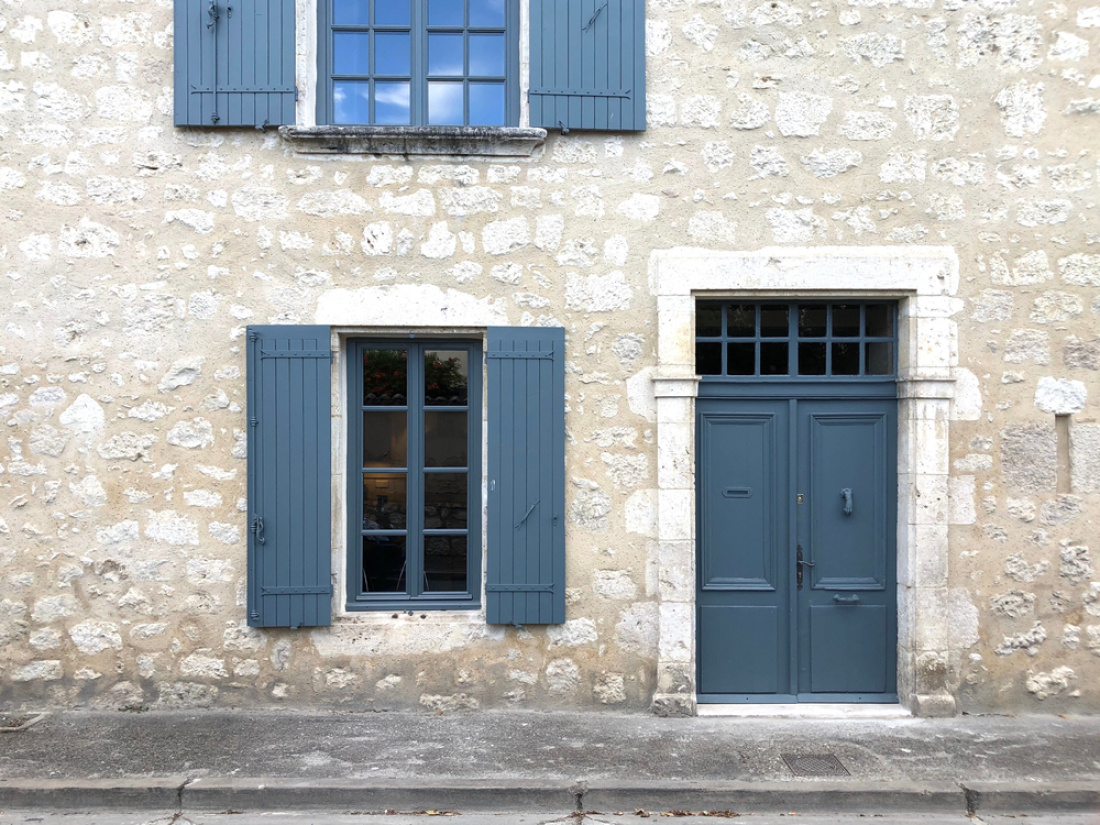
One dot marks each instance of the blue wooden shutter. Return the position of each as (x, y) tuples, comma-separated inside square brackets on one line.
[(234, 62), (588, 65), (289, 476), (525, 575)]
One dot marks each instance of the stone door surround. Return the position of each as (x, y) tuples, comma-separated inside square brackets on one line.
[(923, 280)]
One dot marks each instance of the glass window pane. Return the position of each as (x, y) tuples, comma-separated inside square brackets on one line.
[(351, 101), (384, 564), (741, 359), (385, 377), (446, 378), (445, 439), (845, 358), (391, 53), (350, 53), (445, 12), (811, 358), (708, 320), (741, 320), (708, 359), (773, 321), (811, 321), (385, 438), (773, 359), (846, 320), (486, 104), (350, 12), (445, 104), (487, 13), (444, 564), (880, 320), (444, 501), (385, 501), (880, 358), (391, 102), (487, 55), (445, 55), (392, 13)]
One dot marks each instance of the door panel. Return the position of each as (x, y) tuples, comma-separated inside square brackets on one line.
[(775, 476)]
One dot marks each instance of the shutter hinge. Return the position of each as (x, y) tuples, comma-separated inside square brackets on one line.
[(253, 421), (253, 335), (295, 94)]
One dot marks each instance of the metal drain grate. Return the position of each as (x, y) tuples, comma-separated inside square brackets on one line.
[(814, 764)]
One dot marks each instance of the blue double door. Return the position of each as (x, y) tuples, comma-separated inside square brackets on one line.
[(796, 568)]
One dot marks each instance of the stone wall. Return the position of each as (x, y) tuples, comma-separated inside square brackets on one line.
[(134, 255)]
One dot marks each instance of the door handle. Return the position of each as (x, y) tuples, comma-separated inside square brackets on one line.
[(846, 599), (799, 565), (846, 494)]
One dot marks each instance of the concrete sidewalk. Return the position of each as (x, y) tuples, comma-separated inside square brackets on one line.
[(561, 761)]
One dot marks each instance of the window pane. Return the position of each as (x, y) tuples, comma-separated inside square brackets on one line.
[(444, 564), (880, 320), (487, 13), (351, 101), (350, 53), (708, 320), (445, 104), (880, 358), (385, 501), (445, 439), (773, 321), (445, 12), (741, 359), (811, 322), (445, 55), (708, 359), (444, 501), (773, 359), (741, 320), (350, 12), (845, 320), (391, 54), (811, 359), (391, 102), (487, 55), (385, 381), (486, 104), (383, 564), (845, 358), (391, 13), (446, 378), (385, 439)]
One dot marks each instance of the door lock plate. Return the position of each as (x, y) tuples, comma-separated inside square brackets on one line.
[(800, 498)]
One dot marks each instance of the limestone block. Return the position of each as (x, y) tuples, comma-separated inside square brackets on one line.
[(1060, 396), (637, 629), (92, 636), (573, 633), (44, 670), (801, 114), (1029, 461), (1085, 457)]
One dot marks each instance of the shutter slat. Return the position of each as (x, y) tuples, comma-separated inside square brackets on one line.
[(289, 476), (238, 72), (588, 64), (525, 576)]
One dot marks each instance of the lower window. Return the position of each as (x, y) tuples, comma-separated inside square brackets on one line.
[(414, 469)]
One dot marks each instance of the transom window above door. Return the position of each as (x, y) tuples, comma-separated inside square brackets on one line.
[(420, 62), (802, 339)]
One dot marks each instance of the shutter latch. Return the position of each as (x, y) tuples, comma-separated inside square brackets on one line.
[(258, 528), (212, 10)]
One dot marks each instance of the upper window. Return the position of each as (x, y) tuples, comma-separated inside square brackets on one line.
[(419, 62), (796, 340), (415, 474)]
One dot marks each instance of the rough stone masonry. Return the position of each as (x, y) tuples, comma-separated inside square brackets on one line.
[(134, 253)]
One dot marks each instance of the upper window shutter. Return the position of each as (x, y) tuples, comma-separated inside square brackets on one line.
[(289, 476), (525, 571), (234, 62), (588, 65)]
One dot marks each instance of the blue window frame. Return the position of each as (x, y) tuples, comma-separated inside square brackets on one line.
[(414, 470), (419, 62)]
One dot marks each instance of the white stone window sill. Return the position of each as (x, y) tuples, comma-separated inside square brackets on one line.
[(484, 141)]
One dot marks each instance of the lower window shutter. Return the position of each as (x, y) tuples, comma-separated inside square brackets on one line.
[(588, 65), (289, 476), (525, 570), (234, 62)]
